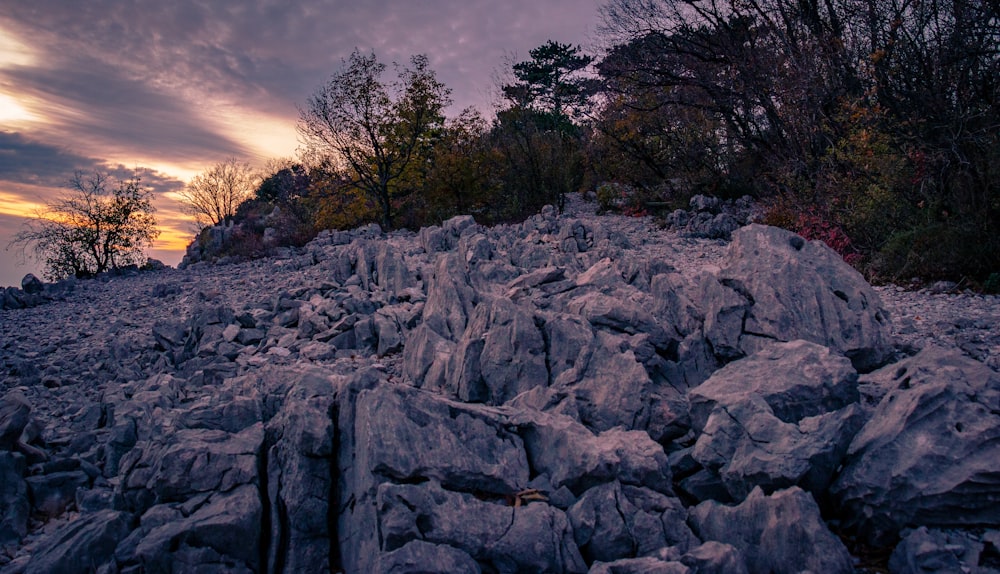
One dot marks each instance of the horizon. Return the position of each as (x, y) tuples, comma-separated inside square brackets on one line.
[(174, 89)]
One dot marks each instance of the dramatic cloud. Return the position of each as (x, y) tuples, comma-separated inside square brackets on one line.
[(178, 86)]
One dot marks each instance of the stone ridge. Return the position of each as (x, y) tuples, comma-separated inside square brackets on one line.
[(575, 393)]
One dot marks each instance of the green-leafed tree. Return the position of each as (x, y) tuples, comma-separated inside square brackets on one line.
[(375, 131), (536, 133), (553, 80)]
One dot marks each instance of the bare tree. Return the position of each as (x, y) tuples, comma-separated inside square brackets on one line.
[(103, 223), (213, 196)]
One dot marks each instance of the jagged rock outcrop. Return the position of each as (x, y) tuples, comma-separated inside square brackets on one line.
[(776, 286), (782, 417), (927, 456), (779, 533), (568, 394)]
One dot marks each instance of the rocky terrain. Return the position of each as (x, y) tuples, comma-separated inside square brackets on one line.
[(571, 394)]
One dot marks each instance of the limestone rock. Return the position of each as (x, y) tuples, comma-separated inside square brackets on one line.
[(777, 286), (407, 435), (571, 455), (528, 538), (500, 355), (86, 543), (778, 533), (612, 522), (924, 550), (31, 284), (192, 462), (419, 557), (930, 448), (299, 480), (223, 531), (14, 505), (781, 417), (15, 413)]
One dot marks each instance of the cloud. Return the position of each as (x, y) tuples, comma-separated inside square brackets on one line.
[(271, 52), (182, 85), (29, 168), (27, 161)]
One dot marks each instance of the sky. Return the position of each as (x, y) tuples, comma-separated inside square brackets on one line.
[(175, 87)]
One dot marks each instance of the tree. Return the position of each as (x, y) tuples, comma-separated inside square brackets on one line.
[(213, 196), (373, 130), (536, 135), (551, 81), (103, 223)]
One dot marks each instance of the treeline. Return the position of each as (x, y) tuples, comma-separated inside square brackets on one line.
[(872, 125)]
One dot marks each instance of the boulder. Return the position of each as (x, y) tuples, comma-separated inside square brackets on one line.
[(500, 355), (31, 284), (775, 285), (15, 413), (924, 550), (929, 449), (298, 466), (505, 538), (419, 557), (611, 522), (83, 545), (609, 387), (407, 435), (780, 533), (187, 463), (572, 456), (51, 494), (450, 298), (14, 505), (797, 379), (781, 417), (645, 565), (223, 533)]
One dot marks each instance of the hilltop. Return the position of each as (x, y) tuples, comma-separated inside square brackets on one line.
[(573, 393)]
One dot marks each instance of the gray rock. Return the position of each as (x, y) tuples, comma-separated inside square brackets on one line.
[(781, 417), (699, 203), (923, 550), (619, 314), (31, 284), (797, 379), (419, 557), (83, 545), (299, 479), (608, 387), (187, 463), (779, 533), (930, 448), (222, 534), (500, 355), (409, 435), (15, 413), (14, 505), (527, 538), (572, 456), (645, 565), (712, 226), (612, 522), (777, 286), (715, 557), (51, 494), (450, 298)]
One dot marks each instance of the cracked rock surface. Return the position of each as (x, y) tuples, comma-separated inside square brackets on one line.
[(574, 393)]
